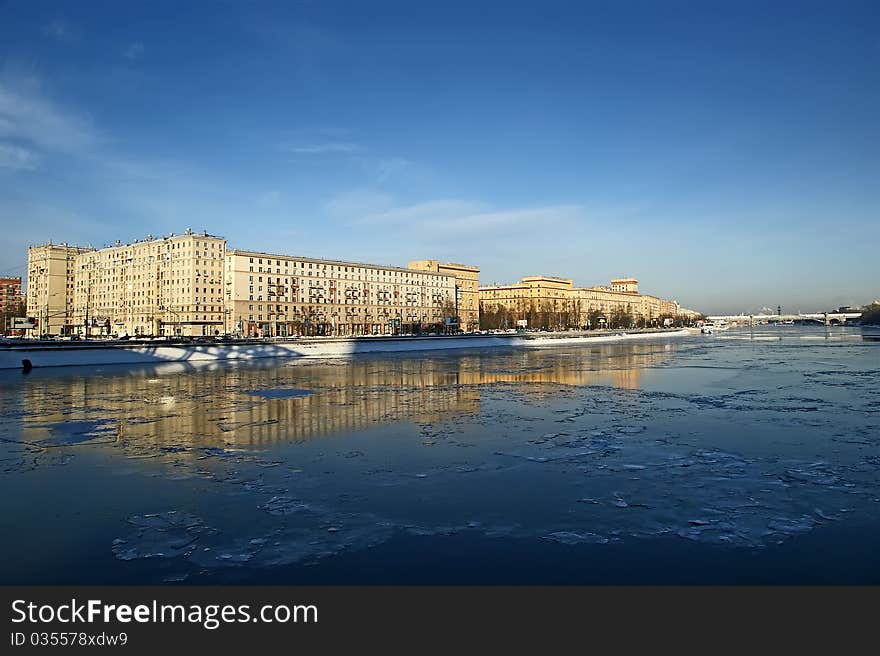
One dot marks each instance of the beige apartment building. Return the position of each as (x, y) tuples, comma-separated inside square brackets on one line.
[(531, 294), (550, 302), (167, 286), (50, 286), (284, 295), (467, 286), (193, 285)]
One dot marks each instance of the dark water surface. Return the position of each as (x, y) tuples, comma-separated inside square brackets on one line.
[(746, 456)]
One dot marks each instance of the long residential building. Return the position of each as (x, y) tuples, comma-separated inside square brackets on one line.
[(192, 285), (551, 302), (281, 295)]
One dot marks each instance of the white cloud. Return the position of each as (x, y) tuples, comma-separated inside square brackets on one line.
[(385, 168), (17, 158), (425, 212), (27, 115), (357, 203), (60, 30), (134, 51), (462, 216), (269, 198), (330, 147)]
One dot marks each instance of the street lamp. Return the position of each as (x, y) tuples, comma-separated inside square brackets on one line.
[(456, 307), (45, 328)]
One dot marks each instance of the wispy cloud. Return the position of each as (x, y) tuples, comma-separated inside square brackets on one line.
[(384, 169), (60, 30), (454, 216), (17, 158), (269, 199), (134, 51), (358, 202), (29, 116), (326, 148)]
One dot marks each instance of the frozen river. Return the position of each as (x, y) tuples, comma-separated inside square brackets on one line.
[(746, 456)]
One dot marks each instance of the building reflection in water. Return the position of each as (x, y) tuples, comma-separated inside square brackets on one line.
[(232, 405)]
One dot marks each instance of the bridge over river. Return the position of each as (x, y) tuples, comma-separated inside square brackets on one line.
[(826, 318)]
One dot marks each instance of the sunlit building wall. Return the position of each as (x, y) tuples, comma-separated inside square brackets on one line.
[(467, 286), (284, 295), (574, 306), (170, 286), (49, 297)]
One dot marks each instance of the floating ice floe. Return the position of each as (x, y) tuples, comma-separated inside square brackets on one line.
[(162, 535), (282, 505), (570, 537)]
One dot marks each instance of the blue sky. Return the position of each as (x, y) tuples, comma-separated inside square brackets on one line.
[(727, 154)]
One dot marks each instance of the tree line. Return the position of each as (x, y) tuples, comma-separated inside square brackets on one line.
[(570, 316), (871, 314)]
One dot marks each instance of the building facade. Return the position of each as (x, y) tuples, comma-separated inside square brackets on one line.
[(193, 285), (467, 288), (625, 285), (50, 286), (171, 286), (285, 295), (10, 302), (556, 304)]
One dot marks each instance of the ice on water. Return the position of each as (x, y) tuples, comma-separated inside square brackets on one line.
[(745, 444)]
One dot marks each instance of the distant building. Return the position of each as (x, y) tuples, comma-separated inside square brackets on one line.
[(467, 286), (625, 285), (10, 301), (556, 303)]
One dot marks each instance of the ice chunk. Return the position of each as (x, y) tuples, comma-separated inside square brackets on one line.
[(571, 537), (283, 505)]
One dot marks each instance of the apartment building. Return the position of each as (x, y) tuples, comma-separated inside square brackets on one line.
[(168, 286), (10, 302), (531, 295), (547, 301), (284, 295), (625, 285), (467, 286), (50, 286)]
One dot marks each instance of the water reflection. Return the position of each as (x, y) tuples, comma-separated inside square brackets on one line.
[(245, 405), (717, 442)]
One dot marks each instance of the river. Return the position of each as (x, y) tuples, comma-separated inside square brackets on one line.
[(748, 456)]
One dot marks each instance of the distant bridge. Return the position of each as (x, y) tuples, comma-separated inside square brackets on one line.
[(819, 317)]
